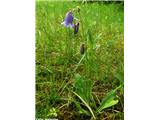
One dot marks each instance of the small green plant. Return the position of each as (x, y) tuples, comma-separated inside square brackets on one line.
[(52, 112), (83, 90)]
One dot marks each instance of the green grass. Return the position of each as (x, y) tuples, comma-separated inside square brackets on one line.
[(58, 60)]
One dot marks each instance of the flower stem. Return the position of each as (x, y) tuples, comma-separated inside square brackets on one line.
[(81, 21)]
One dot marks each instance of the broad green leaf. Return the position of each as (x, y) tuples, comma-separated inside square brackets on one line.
[(108, 100), (108, 104)]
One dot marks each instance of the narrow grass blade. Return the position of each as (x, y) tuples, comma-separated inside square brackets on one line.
[(85, 104), (81, 110), (79, 62)]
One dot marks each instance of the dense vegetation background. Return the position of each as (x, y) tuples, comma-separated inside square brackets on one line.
[(64, 77)]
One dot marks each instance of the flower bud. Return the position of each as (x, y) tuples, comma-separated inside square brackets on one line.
[(82, 48), (76, 27)]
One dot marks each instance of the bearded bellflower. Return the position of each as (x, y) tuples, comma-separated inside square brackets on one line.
[(68, 22)]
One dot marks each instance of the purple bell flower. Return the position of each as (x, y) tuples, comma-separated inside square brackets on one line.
[(68, 22)]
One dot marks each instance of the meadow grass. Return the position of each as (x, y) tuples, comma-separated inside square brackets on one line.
[(58, 59)]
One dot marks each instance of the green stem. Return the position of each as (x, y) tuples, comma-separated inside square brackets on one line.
[(79, 62), (82, 24)]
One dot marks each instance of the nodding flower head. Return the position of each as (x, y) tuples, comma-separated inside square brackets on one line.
[(68, 22), (76, 27)]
